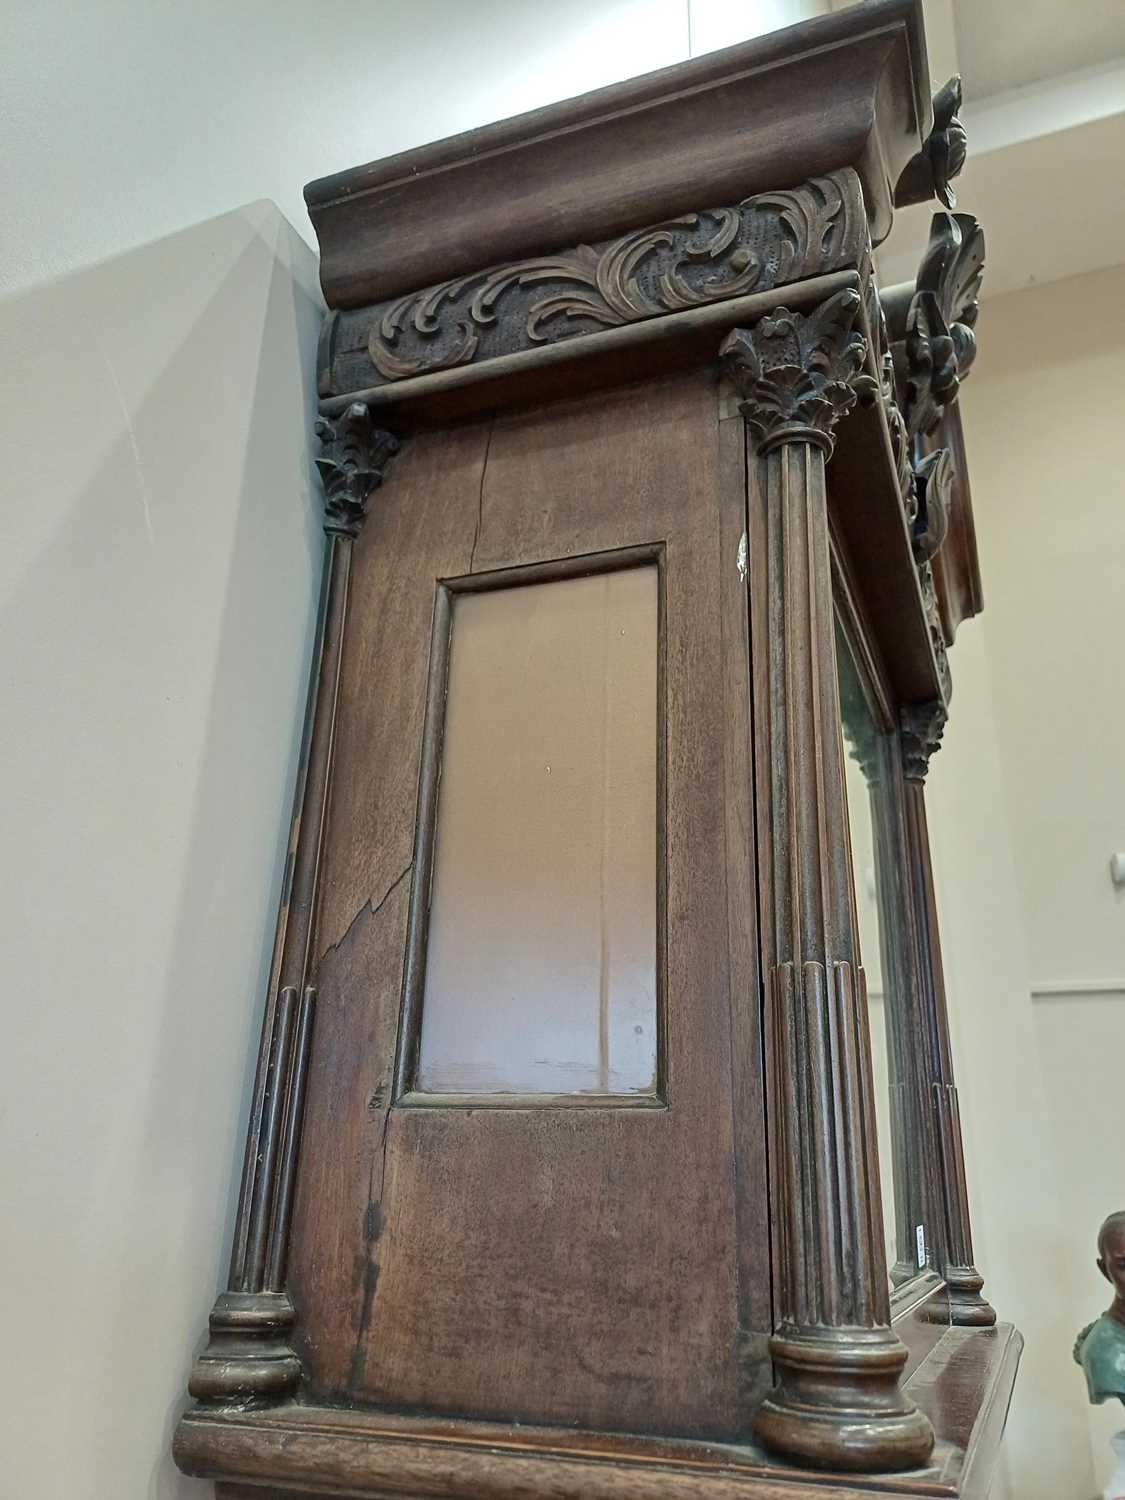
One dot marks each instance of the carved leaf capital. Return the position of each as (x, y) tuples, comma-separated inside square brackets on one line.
[(921, 726), (354, 455), (797, 374)]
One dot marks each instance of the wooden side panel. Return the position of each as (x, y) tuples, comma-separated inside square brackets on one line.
[(600, 1266)]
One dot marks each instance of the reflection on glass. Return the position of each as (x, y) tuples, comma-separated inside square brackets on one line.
[(541, 953), (879, 898)]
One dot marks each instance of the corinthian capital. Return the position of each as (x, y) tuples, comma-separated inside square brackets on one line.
[(920, 727), (798, 374), (355, 453)]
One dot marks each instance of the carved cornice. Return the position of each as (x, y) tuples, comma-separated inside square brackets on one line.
[(929, 173), (798, 374), (921, 726), (937, 345), (769, 240), (355, 454)]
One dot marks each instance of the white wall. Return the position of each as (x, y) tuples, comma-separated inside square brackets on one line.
[(1023, 1246), (127, 119), (158, 567), (1042, 415)]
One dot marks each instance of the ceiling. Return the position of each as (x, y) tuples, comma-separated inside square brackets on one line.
[(1004, 44), (1045, 117)]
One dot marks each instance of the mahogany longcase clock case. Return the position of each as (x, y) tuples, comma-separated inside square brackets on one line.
[(604, 1141)]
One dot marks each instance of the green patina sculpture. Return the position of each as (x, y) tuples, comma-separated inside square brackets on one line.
[(1100, 1347)]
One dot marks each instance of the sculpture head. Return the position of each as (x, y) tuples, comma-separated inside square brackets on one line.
[(1100, 1348), (1111, 1254)]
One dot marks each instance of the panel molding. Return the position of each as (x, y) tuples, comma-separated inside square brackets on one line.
[(406, 1094)]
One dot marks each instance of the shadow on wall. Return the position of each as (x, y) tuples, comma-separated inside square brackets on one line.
[(159, 591)]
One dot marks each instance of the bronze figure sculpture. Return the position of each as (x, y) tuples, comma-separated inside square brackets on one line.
[(1100, 1347)]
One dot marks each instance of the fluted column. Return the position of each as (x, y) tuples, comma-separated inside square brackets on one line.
[(249, 1355), (921, 731), (837, 1401)]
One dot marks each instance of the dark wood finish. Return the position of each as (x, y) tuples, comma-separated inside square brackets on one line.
[(707, 256), (295, 1452), (648, 348), (878, 757), (620, 1267), (966, 1389), (932, 323), (844, 90), (837, 1402), (930, 173), (921, 734), (249, 1353), (483, 1297), (920, 1319), (956, 567)]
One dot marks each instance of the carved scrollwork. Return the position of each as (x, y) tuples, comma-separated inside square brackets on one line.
[(896, 425), (937, 634), (929, 173), (934, 477), (939, 344), (797, 375), (704, 257), (355, 454)]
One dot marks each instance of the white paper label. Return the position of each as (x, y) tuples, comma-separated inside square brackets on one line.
[(920, 1234)]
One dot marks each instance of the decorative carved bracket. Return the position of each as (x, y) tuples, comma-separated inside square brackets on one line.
[(928, 174), (934, 488), (933, 341)]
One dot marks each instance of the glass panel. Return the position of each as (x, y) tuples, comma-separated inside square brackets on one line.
[(870, 778), (541, 953)]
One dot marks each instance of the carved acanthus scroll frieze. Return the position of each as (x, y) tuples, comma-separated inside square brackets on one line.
[(929, 173), (935, 348), (351, 464), (797, 375), (689, 262)]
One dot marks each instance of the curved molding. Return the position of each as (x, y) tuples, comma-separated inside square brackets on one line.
[(678, 266)]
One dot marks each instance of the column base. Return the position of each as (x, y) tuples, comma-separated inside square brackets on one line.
[(248, 1357), (967, 1308), (837, 1403)]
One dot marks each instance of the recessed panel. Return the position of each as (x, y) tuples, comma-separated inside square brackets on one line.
[(540, 953)]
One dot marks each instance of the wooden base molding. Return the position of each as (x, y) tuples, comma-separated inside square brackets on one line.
[(247, 1357), (967, 1307), (838, 1403), (294, 1452)]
